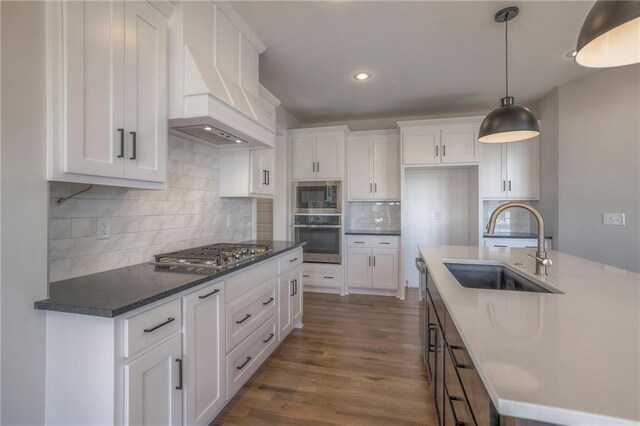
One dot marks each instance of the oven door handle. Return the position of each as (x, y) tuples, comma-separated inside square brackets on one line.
[(319, 226)]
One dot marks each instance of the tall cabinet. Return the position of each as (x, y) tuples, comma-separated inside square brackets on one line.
[(374, 166), (108, 93)]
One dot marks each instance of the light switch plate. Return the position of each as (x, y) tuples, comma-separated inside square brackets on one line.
[(613, 219), (104, 228)]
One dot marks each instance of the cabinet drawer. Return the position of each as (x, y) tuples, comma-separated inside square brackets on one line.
[(438, 303), (247, 313), (246, 281), (477, 396), (322, 279), (290, 260), (245, 359), (150, 327), (455, 399), (372, 241)]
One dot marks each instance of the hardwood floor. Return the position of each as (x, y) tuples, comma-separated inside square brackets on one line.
[(356, 361)]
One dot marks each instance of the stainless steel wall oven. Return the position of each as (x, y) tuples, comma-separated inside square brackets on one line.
[(323, 237)]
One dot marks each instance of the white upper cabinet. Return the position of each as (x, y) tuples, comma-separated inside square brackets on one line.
[(247, 173), (318, 154), (511, 170), (107, 99), (441, 141), (373, 166)]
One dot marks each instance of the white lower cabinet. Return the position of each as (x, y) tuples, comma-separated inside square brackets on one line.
[(153, 385), (176, 361), (372, 262), (204, 338)]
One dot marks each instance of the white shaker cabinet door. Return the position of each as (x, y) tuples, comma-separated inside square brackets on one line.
[(492, 171), (459, 144), (204, 325), (303, 157), (361, 168), (296, 302), (285, 298), (523, 180), (93, 51), (329, 157), (385, 269), (386, 168), (145, 92), (359, 263), (268, 165), (152, 392), (421, 145)]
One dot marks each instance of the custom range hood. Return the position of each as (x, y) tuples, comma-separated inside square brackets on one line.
[(214, 93)]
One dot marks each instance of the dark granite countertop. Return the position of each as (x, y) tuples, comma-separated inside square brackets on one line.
[(515, 235), (113, 293), (373, 232)]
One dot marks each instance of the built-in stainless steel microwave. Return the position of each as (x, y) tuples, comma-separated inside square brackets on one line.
[(317, 197)]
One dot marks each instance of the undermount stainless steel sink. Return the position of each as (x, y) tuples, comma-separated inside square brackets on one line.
[(492, 277)]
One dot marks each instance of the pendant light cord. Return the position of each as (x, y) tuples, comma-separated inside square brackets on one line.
[(506, 57)]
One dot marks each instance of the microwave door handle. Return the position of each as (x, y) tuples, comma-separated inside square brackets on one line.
[(319, 226)]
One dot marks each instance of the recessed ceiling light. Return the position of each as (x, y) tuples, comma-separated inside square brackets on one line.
[(208, 129), (238, 141), (571, 54), (362, 76)]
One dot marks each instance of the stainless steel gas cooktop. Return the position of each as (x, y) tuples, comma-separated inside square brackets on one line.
[(211, 258)]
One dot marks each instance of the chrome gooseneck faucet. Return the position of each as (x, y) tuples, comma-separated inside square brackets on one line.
[(542, 262)]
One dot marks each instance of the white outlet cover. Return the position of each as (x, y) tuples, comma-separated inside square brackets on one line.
[(103, 231), (616, 219)]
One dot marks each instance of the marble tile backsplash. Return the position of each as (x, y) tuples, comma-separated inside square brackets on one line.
[(145, 222), (372, 216), (512, 220)]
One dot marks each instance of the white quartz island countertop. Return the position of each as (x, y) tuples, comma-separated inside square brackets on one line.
[(570, 358)]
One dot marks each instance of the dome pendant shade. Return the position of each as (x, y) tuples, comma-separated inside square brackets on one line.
[(610, 35), (508, 123)]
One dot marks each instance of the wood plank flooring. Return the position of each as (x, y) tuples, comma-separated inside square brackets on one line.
[(356, 361)]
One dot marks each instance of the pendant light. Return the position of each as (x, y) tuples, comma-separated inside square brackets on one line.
[(610, 35), (508, 122)]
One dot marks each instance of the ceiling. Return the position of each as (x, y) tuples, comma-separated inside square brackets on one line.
[(426, 57)]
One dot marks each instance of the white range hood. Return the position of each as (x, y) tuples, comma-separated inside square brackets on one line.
[(213, 74)]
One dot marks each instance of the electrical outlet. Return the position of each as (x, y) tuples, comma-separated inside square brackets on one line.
[(613, 219), (438, 216), (104, 228)]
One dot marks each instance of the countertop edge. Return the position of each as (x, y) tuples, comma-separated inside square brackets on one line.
[(49, 305)]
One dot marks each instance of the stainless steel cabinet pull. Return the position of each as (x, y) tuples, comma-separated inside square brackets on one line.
[(293, 260), (204, 296), (358, 242), (135, 148), (295, 286), (500, 245), (535, 247), (371, 187), (271, 299), (149, 330), (179, 361), (268, 177), (305, 276), (504, 185), (241, 366), (121, 143), (244, 319), (264, 177), (431, 346), (384, 242), (269, 338), (444, 150), (318, 167), (314, 166), (374, 261), (455, 360), (369, 260), (328, 277), (509, 185), (436, 150), (293, 289), (375, 187), (456, 422)]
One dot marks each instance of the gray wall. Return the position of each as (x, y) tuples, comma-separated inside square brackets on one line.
[(598, 170), (548, 114), (23, 195)]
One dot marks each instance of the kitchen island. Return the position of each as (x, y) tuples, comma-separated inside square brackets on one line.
[(567, 357)]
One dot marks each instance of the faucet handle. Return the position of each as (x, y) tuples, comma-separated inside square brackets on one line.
[(544, 261)]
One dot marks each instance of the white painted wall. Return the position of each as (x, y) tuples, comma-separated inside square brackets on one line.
[(23, 214), (595, 123)]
